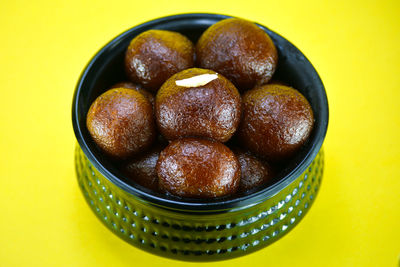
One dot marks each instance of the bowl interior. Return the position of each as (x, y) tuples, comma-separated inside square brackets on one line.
[(106, 69)]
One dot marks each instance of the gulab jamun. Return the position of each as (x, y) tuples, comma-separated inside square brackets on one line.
[(136, 87), (142, 168), (254, 171), (276, 121), (155, 55), (198, 103), (239, 50), (198, 168), (121, 122)]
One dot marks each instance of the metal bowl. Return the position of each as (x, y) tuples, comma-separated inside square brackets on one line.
[(188, 229)]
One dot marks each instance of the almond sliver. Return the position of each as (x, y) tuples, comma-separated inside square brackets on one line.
[(196, 81)]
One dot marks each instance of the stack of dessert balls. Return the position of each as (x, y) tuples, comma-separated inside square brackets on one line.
[(204, 120)]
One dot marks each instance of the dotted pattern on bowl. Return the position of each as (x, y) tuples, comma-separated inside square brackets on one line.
[(195, 237)]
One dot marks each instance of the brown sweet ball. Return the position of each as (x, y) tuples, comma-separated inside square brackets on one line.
[(254, 172), (136, 87), (155, 55), (198, 168), (142, 168), (239, 50), (121, 122), (276, 121), (198, 103)]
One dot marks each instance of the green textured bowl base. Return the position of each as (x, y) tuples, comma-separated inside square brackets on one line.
[(198, 237)]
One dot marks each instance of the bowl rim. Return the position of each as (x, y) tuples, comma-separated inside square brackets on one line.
[(193, 205)]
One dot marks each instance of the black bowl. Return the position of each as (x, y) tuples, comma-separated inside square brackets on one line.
[(117, 201)]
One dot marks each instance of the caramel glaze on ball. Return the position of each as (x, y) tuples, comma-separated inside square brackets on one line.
[(211, 111), (121, 122), (136, 87), (155, 55), (198, 168), (142, 168), (239, 50), (276, 121), (254, 171)]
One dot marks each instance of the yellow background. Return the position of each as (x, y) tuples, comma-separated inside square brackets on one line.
[(354, 45)]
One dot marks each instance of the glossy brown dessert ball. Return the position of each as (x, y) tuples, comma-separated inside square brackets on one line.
[(198, 168), (254, 171), (136, 87), (155, 55), (276, 121), (190, 104), (142, 168), (239, 50), (121, 122)]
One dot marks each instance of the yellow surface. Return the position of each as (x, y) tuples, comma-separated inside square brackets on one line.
[(355, 46)]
